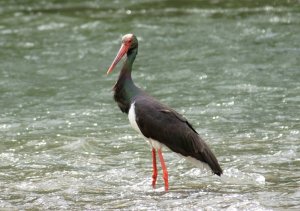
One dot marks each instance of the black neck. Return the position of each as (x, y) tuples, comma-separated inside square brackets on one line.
[(125, 89)]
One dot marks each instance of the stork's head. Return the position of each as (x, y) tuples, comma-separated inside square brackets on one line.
[(129, 42)]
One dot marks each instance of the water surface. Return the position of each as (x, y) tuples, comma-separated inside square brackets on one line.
[(231, 67)]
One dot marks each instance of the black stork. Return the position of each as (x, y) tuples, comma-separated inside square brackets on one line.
[(159, 124)]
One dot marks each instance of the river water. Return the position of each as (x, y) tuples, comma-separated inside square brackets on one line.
[(231, 67)]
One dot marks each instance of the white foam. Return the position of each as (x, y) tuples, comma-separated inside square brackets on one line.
[(233, 175)]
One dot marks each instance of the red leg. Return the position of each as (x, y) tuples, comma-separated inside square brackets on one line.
[(154, 175), (164, 168)]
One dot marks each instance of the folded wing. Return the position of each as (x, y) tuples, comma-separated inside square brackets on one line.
[(163, 124)]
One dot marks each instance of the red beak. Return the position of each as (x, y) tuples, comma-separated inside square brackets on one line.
[(123, 50)]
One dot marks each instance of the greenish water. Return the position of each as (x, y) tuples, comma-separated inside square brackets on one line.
[(231, 67)]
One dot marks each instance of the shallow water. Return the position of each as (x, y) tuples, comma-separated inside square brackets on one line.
[(231, 67)]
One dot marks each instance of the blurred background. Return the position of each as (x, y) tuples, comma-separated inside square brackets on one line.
[(231, 67)]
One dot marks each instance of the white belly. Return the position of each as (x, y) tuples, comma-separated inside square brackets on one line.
[(132, 120)]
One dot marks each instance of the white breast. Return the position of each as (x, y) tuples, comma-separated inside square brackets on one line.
[(132, 118)]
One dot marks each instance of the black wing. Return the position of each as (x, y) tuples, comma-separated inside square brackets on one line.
[(163, 124)]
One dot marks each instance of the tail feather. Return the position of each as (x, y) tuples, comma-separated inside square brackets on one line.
[(212, 161), (204, 154)]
